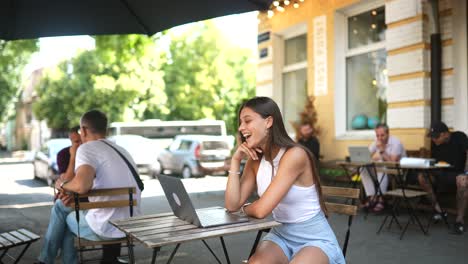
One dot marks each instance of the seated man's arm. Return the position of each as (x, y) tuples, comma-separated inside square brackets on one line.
[(82, 182)]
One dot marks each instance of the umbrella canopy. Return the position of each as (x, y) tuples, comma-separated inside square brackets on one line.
[(23, 19)]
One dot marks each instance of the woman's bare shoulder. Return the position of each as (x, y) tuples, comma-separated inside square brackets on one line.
[(296, 152)]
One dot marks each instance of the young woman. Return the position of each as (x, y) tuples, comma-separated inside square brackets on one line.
[(287, 182)]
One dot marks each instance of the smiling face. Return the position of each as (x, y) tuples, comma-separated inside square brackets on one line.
[(254, 128)]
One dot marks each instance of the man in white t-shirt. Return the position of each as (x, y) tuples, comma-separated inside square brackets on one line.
[(97, 166), (384, 148)]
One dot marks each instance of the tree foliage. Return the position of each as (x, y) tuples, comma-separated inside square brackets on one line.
[(194, 75), (14, 55), (206, 77), (120, 77)]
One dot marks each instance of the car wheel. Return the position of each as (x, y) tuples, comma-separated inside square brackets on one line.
[(35, 174), (50, 175), (50, 182), (186, 172)]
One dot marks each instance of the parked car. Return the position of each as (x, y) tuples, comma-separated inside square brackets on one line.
[(144, 151), (45, 160), (195, 155)]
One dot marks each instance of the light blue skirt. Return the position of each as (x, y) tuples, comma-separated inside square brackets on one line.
[(316, 232)]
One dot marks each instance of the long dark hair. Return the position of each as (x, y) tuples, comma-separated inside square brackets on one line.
[(266, 107)]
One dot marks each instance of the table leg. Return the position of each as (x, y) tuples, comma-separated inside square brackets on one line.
[(155, 254), (225, 250), (211, 251), (257, 239), (173, 253), (131, 255), (22, 252), (3, 254)]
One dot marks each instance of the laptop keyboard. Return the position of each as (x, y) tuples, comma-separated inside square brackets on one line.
[(216, 217)]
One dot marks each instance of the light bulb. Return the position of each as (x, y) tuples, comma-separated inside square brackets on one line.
[(276, 3), (286, 2), (270, 13)]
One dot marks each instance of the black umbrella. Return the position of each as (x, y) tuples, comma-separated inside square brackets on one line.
[(23, 19)]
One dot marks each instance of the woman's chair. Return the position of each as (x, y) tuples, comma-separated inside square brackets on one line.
[(341, 200)]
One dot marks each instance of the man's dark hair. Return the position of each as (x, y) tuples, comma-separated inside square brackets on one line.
[(384, 126), (95, 121), (74, 129)]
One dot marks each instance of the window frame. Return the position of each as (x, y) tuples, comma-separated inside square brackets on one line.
[(279, 39), (341, 54)]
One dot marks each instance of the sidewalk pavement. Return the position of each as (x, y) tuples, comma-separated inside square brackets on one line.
[(365, 245)]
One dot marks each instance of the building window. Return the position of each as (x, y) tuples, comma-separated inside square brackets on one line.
[(294, 79), (366, 74)]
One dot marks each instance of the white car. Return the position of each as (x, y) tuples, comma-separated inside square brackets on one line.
[(144, 151), (45, 161)]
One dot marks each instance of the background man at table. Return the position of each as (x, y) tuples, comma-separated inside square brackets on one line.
[(451, 148), (384, 148), (97, 166)]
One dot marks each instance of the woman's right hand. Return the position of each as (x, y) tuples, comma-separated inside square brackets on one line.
[(243, 151)]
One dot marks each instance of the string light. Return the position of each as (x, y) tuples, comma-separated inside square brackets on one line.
[(280, 6), (270, 13)]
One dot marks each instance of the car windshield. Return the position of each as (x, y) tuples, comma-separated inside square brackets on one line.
[(209, 145), (55, 145)]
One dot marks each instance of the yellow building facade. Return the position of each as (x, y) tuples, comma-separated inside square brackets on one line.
[(364, 62)]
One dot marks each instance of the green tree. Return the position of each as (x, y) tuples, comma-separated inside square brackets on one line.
[(120, 77), (206, 77), (14, 55)]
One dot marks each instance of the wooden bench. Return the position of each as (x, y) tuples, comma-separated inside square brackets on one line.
[(16, 238)]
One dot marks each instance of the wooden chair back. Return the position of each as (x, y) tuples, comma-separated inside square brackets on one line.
[(81, 202), (349, 208)]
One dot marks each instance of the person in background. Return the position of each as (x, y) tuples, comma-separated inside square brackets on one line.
[(449, 148), (384, 148), (97, 166), (308, 140), (66, 162), (66, 167), (287, 181)]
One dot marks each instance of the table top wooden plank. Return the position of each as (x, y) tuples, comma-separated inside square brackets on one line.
[(20, 236), (141, 217), (11, 238), (151, 222), (208, 234), (29, 234), (155, 234), (167, 230), (173, 224), (4, 242)]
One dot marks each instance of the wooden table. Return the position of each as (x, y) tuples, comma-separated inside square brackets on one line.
[(157, 230)]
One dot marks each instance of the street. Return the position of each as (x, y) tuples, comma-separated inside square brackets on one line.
[(25, 203)]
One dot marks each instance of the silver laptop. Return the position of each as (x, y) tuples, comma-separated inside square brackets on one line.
[(182, 206), (359, 154)]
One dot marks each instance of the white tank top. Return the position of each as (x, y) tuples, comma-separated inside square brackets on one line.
[(298, 205)]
